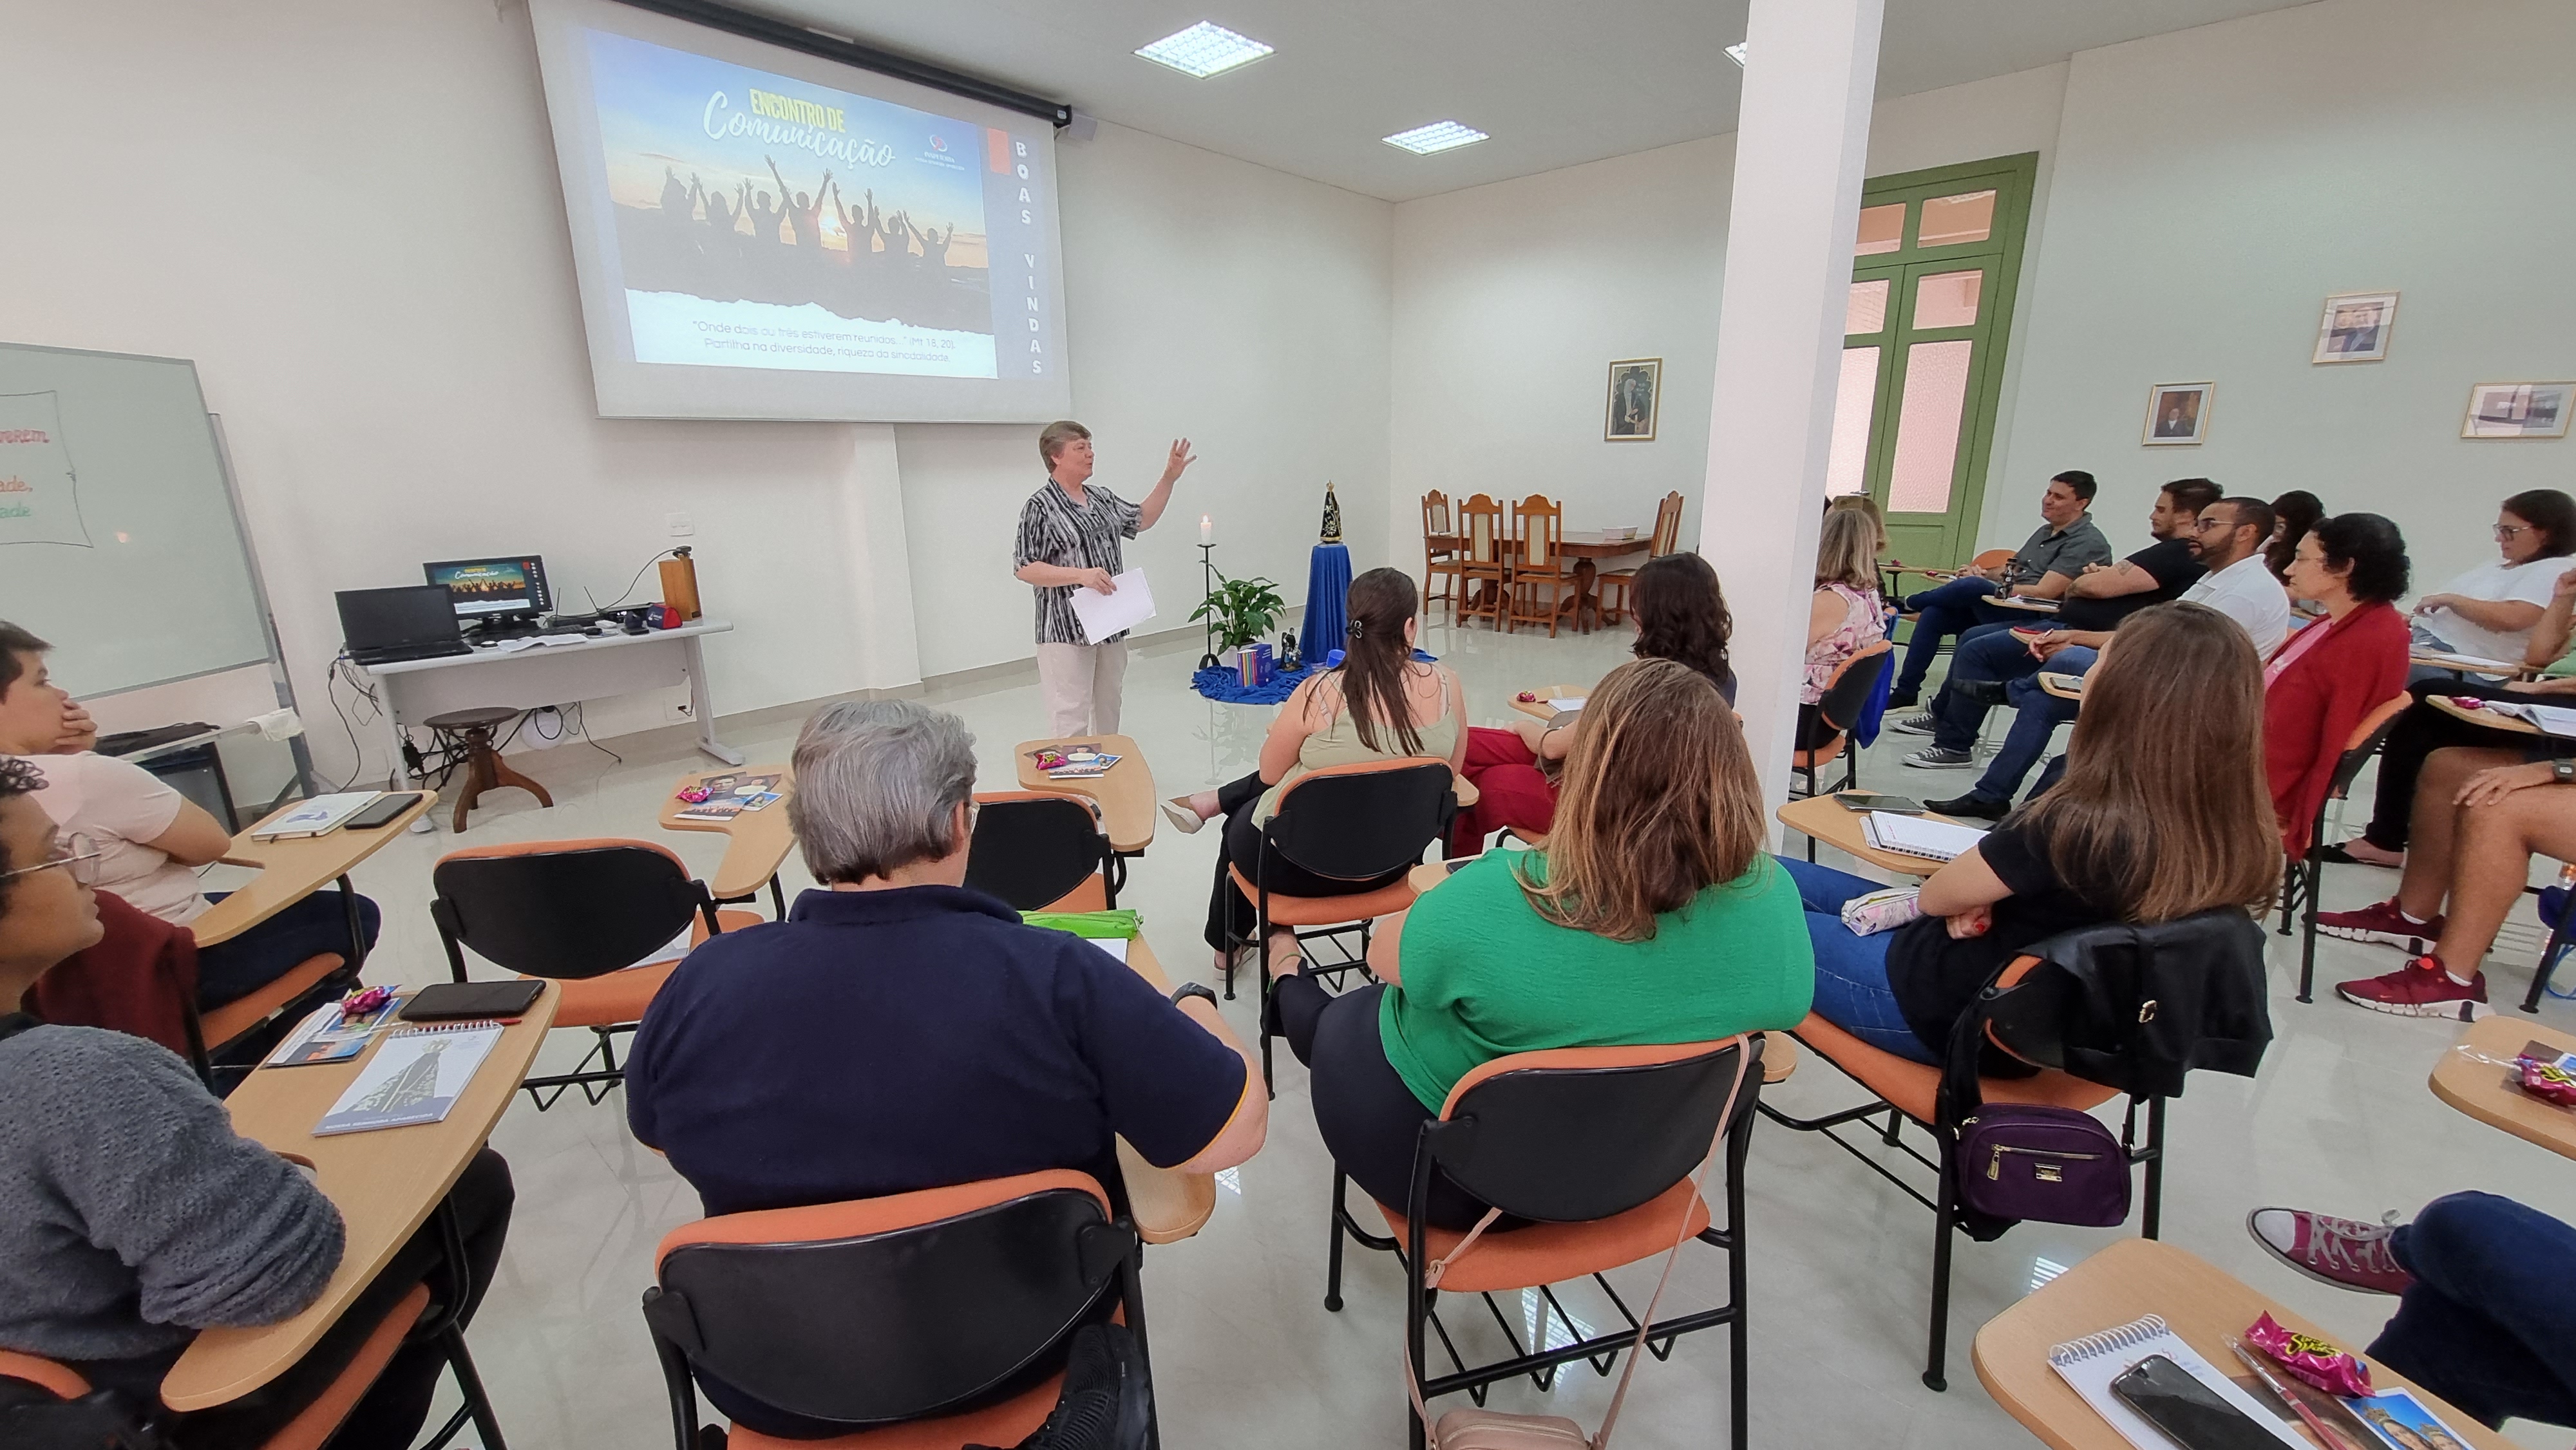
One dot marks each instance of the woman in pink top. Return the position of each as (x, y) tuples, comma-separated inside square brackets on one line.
[(1846, 617)]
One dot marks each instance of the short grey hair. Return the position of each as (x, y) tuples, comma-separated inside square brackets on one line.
[(878, 783)]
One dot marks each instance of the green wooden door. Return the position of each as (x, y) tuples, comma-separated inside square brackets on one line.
[(1934, 270)]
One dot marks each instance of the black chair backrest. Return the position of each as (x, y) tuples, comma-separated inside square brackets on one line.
[(588, 908), (899, 1325), (1848, 695), (2138, 1007), (1568, 1145), (2349, 764), (1364, 824), (1030, 853)]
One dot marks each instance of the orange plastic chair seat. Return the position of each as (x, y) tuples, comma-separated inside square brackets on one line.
[(1007, 1423), (310, 1429), (1912, 1086), (1551, 1253), (242, 1014), (1326, 910), (1091, 895), (62, 1379), (617, 998)]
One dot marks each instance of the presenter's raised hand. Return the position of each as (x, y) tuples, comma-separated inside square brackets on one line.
[(1097, 581), (1180, 460)]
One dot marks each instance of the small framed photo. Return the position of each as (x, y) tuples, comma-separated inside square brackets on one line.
[(2178, 413), (1636, 387), (2355, 327), (2518, 410)]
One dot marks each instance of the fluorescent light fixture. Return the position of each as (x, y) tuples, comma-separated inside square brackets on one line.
[(1438, 136), (1204, 49), (1734, 53)]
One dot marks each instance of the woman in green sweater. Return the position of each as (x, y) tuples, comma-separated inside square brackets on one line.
[(1652, 916)]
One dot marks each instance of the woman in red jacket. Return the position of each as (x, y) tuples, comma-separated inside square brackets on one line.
[(2326, 678)]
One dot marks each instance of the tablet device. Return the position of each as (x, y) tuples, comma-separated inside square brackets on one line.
[(451, 1001), (1865, 801), (382, 812)]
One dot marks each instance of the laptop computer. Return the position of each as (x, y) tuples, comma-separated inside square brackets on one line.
[(388, 626)]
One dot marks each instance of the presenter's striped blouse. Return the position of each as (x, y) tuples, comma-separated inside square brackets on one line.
[(1056, 530)]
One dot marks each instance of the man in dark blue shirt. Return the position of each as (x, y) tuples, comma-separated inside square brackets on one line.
[(899, 1032)]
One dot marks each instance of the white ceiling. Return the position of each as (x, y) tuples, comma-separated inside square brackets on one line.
[(1554, 82)]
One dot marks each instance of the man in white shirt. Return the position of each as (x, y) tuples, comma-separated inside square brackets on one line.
[(2488, 612), (2228, 539), (150, 838)]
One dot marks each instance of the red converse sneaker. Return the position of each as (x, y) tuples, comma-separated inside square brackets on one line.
[(2344, 1252), (2421, 988), (2382, 923)]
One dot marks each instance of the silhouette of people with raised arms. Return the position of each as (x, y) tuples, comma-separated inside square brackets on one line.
[(804, 217), (675, 198), (934, 250), (764, 216)]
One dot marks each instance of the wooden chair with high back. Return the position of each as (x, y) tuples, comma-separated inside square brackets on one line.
[(1439, 552), (1484, 559), (1539, 561), (1667, 540)]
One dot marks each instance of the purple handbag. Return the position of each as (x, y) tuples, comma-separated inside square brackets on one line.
[(2055, 1165)]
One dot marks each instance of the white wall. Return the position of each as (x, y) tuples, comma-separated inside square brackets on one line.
[(1512, 299), (2212, 186), (349, 217)]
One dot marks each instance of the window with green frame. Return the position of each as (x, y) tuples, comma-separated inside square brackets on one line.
[(1935, 266)]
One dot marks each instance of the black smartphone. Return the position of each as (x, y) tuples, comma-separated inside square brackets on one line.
[(1866, 801), (382, 810), (2190, 1413), (454, 1001)]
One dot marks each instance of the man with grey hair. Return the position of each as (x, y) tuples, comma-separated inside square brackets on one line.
[(898, 1031)]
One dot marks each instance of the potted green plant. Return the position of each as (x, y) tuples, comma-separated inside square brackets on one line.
[(1240, 611)]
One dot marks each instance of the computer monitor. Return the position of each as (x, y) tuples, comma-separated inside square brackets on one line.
[(494, 589), (397, 618)]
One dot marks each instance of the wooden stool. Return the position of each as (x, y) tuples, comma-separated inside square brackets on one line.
[(484, 767)]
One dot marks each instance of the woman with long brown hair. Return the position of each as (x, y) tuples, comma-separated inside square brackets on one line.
[(1380, 703), (1652, 915), (2163, 812)]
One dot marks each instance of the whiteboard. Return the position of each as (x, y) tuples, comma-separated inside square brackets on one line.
[(119, 542)]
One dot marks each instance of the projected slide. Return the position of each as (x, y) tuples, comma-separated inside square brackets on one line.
[(766, 222), (760, 232)]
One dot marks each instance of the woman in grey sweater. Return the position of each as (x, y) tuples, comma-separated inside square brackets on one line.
[(131, 1214)]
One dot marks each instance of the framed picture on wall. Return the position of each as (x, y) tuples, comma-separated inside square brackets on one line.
[(2518, 410), (1636, 387), (2355, 327), (2178, 413)]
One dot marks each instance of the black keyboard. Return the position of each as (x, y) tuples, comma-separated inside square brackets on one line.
[(399, 653)]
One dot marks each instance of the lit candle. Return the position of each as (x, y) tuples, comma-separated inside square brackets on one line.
[(1207, 529)]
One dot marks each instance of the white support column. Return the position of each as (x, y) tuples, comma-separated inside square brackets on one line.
[(1800, 148)]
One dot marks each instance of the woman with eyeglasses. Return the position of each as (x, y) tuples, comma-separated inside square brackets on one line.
[(132, 1216), (2488, 613)]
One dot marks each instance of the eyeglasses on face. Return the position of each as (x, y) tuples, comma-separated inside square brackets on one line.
[(78, 855), (2507, 532)]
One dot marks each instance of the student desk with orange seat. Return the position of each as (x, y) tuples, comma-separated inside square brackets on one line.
[(756, 845), (290, 871), (385, 1184), (2199, 1302), (1167, 1205), (1827, 821)]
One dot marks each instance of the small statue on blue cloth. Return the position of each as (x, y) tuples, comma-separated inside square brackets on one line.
[(1289, 664), (1332, 515)]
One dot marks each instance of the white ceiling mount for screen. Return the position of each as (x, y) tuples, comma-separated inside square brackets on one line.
[(854, 52), (1438, 136), (1204, 50), (1735, 53)]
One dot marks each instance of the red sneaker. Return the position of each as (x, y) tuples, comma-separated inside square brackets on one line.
[(2344, 1252), (2421, 988), (2383, 923)]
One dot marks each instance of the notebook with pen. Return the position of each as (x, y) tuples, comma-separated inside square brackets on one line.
[(1919, 835)]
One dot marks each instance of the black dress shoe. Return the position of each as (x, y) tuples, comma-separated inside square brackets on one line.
[(1973, 806)]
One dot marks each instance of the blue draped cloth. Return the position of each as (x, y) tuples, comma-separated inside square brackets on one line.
[(1226, 687), (1328, 587)]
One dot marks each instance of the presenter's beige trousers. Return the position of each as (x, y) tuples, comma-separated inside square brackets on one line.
[(1082, 684)]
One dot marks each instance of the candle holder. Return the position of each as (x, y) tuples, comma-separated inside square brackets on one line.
[(1207, 586)]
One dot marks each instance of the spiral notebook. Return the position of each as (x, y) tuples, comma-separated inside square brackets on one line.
[(2091, 1363)]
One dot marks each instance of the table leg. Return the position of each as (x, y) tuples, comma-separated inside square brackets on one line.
[(704, 707), (1585, 571), (388, 700)]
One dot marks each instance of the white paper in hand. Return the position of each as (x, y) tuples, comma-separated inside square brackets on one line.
[(1103, 615)]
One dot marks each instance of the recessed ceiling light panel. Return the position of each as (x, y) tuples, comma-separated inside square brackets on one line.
[(1735, 53), (1204, 49), (1438, 136)]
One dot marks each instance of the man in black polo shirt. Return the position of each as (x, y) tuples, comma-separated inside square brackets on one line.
[(2098, 599), (900, 1032)]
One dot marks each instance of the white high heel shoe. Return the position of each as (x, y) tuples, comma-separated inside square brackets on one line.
[(1177, 811)]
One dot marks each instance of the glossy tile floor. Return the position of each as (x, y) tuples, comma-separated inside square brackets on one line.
[(1245, 1355)]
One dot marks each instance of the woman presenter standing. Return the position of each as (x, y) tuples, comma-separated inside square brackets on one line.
[(1069, 533)]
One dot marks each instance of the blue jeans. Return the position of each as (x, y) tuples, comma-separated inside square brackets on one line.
[(232, 970), (2036, 716), (1942, 611), (1989, 652), (1851, 971), (2488, 1324)]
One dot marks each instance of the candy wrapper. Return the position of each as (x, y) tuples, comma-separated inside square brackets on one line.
[(2547, 1079), (2311, 1359)]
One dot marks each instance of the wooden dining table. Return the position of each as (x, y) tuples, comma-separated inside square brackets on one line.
[(1586, 547)]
